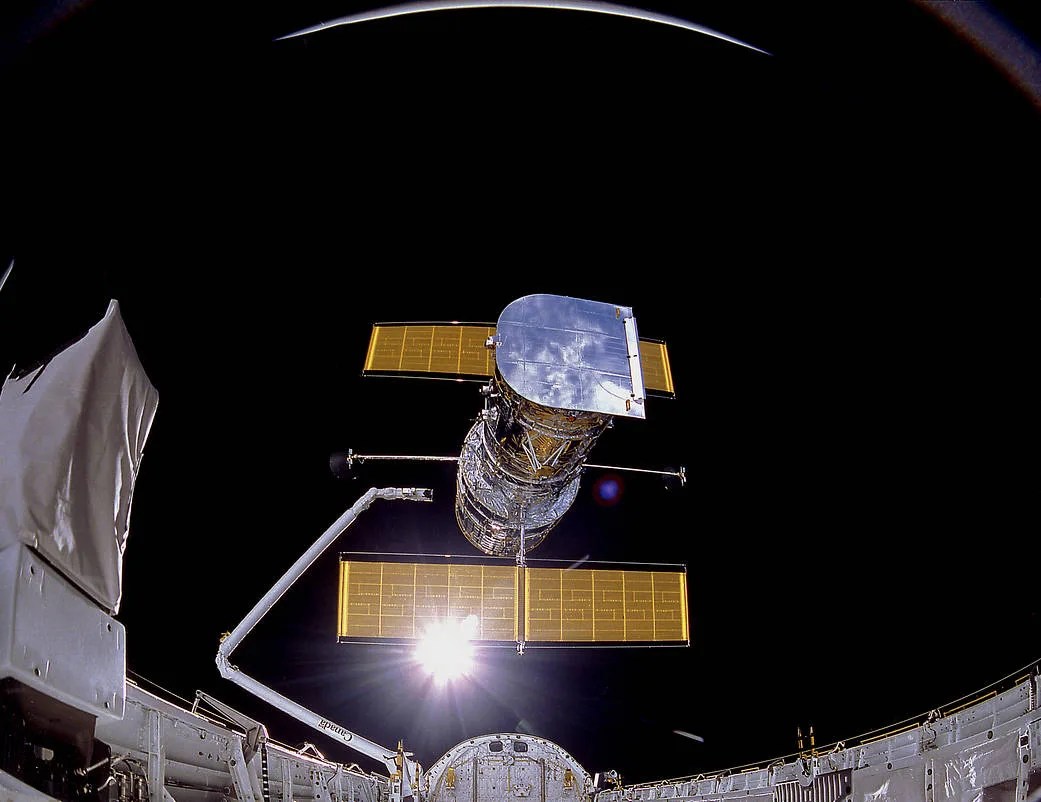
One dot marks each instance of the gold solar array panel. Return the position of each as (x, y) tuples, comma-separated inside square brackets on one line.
[(444, 349), (657, 373), (598, 606), (453, 349), (399, 600)]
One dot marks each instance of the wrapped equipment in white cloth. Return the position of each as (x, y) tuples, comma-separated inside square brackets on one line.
[(72, 434)]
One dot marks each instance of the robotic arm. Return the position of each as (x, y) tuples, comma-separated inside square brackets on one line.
[(404, 772)]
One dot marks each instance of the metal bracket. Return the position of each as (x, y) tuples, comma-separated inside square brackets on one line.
[(239, 774), (156, 762)]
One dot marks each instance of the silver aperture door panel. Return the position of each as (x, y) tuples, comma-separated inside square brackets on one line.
[(570, 353)]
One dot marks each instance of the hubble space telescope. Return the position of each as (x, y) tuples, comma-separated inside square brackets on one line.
[(556, 371)]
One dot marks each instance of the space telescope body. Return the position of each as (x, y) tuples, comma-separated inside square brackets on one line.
[(563, 368), (559, 369)]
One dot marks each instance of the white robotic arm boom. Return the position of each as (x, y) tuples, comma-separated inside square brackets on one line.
[(404, 772)]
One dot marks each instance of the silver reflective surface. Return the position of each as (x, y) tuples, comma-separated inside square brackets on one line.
[(503, 488), (570, 353)]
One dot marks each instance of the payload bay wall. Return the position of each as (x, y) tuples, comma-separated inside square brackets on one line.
[(989, 751), (161, 751)]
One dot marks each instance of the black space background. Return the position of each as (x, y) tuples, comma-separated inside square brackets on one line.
[(823, 236)]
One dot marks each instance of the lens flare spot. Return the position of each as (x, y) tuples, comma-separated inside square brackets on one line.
[(608, 490), (445, 651)]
